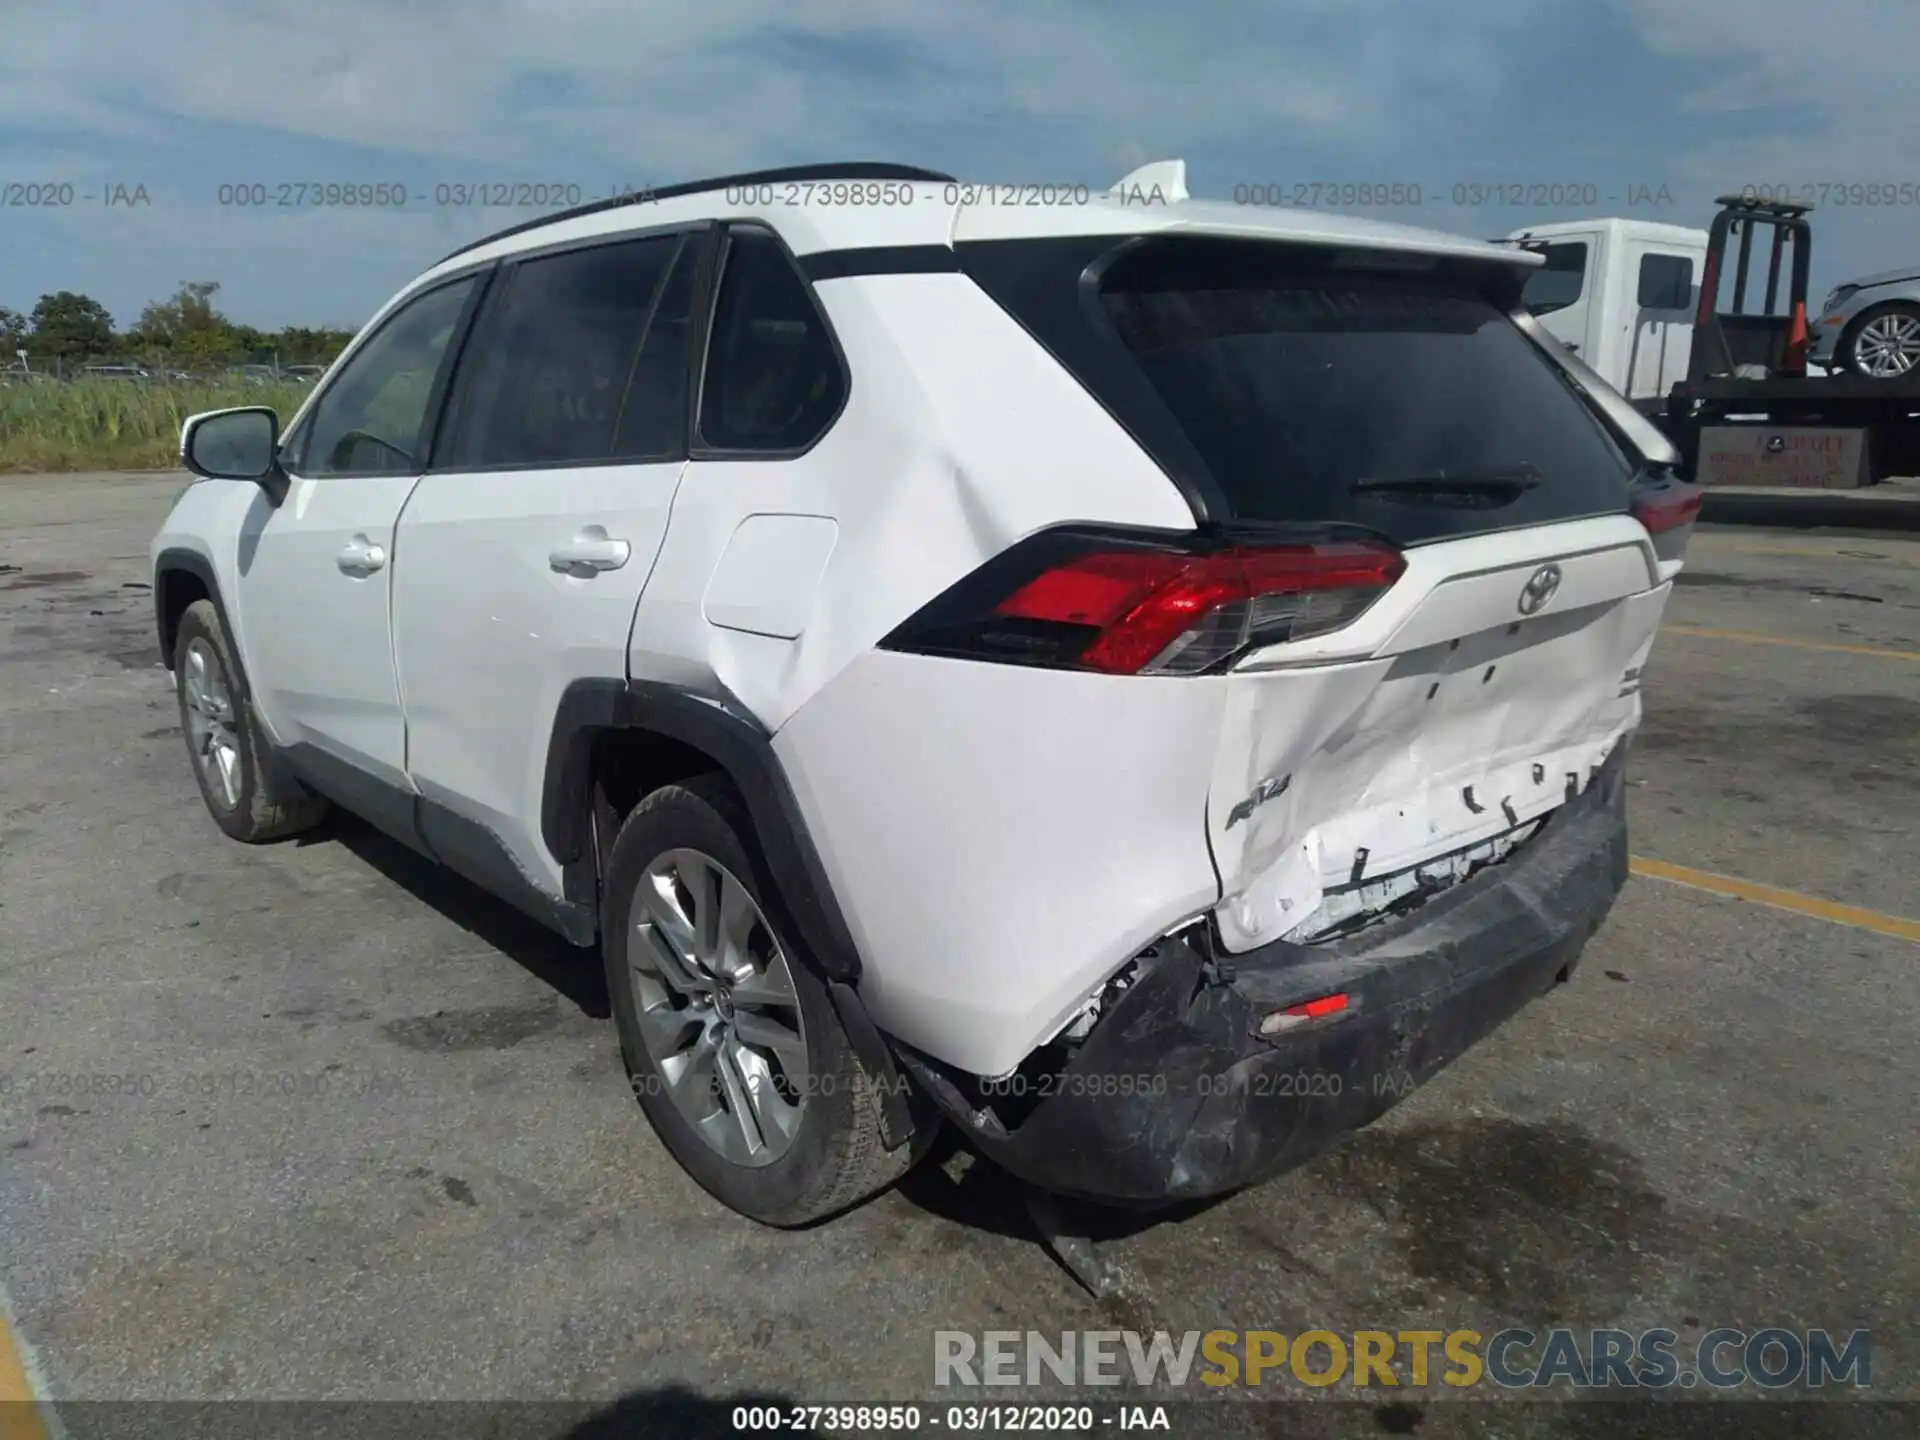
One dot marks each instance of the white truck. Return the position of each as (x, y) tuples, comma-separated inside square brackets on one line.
[(1620, 294), (1679, 321)]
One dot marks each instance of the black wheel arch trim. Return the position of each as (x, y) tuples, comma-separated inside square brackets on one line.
[(572, 820), (277, 777), (178, 560), (742, 747)]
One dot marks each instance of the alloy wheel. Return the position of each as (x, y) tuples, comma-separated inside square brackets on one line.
[(213, 728), (717, 1009), (1888, 346)]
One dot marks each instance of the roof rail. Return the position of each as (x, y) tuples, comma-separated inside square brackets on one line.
[(835, 170)]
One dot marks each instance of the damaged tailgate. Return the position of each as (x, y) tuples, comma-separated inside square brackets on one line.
[(1506, 669)]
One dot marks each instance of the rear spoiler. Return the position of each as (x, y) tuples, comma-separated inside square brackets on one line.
[(1632, 429)]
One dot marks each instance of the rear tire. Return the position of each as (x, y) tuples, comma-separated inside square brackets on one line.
[(786, 1131), (224, 740), (1883, 343)]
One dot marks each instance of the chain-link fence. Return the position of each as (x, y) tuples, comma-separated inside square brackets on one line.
[(66, 372)]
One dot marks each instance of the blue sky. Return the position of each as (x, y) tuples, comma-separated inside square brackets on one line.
[(1608, 98)]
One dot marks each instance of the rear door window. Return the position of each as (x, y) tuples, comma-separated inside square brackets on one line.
[(552, 357), (653, 423)]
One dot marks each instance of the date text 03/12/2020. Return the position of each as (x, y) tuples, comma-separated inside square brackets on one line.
[(394, 195), (1344, 195), (954, 1419)]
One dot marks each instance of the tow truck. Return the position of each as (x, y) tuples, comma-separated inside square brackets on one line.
[(1729, 384)]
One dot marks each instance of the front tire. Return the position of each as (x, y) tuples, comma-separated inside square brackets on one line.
[(1883, 343), (730, 1041), (224, 740)]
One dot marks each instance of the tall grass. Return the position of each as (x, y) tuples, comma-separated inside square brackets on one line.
[(95, 424)]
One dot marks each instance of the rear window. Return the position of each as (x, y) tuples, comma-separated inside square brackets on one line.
[(1314, 392)]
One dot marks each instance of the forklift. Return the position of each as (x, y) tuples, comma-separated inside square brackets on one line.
[(1747, 396)]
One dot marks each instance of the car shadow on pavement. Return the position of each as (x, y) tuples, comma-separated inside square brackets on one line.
[(573, 972), (957, 1184), (952, 1182)]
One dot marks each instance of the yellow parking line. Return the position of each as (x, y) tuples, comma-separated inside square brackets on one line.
[(22, 1413), (1792, 900), (1754, 637)]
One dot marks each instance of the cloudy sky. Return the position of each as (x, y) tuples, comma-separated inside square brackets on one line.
[(1609, 99)]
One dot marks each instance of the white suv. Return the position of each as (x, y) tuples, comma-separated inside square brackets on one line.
[(1143, 679)]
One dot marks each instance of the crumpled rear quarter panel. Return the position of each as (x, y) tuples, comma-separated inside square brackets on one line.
[(1002, 838)]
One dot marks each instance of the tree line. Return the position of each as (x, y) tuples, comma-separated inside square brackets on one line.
[(184, 332)]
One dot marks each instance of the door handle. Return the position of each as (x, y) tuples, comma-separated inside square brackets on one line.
[(361, 557), (590, 552), (1570, 344)]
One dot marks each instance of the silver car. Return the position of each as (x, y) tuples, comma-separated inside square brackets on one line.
[(1871, 327)]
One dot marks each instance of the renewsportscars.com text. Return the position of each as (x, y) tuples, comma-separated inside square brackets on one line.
[(1514, 1358)]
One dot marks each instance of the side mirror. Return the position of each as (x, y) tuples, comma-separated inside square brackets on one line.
[(240, 444)]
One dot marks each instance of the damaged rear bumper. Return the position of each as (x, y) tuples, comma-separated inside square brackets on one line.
[(1175, 1095)]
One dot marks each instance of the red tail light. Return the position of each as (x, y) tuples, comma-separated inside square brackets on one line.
[(1667, 507), (1668, 511), (1126, 607)]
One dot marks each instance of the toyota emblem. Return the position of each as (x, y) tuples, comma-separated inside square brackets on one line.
[(1541, 587)]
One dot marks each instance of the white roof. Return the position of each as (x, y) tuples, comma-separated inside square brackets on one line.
[(813, 216), (1617, 225)]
